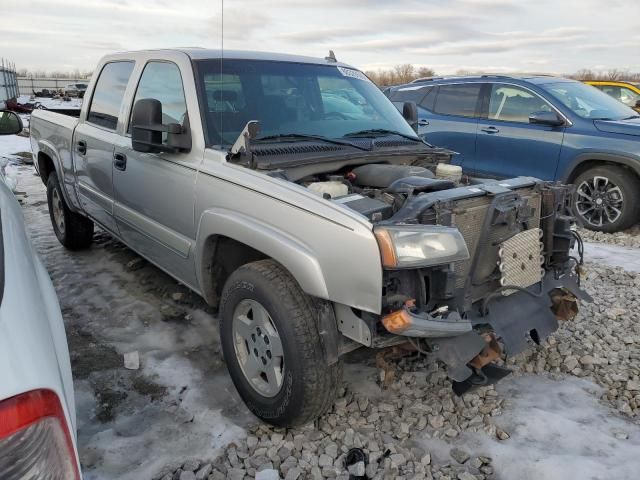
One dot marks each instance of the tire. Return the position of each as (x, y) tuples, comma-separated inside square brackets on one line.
[(73, 230), (617, 190), (308, 386)]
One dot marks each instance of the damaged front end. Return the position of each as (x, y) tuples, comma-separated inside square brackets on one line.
[(509, 287)]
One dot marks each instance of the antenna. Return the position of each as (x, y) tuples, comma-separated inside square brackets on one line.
[(331, 57)]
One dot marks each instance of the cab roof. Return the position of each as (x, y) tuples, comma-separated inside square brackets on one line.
[(197, 53)]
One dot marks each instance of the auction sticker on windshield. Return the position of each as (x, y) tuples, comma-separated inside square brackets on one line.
[(348, 72)]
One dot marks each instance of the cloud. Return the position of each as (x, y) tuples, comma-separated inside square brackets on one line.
[(448, 35)]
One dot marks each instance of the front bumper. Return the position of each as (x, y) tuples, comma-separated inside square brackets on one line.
[(515, 320)]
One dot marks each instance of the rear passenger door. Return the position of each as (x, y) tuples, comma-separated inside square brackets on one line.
[(508, 145), (154, 192), (94, 138), (450, 119)]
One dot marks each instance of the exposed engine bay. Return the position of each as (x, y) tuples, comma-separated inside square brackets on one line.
[(518, 279)]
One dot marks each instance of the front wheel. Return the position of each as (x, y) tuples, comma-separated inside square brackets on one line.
[(272, 347), (73, 230), (607, 198)]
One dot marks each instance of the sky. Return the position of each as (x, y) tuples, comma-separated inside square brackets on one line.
[(497, 36)]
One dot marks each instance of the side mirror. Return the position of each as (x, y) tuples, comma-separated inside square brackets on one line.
[(10, 123), (410, 114), (147, 130), (550, 119)]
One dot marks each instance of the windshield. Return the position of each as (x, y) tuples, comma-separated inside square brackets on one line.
[(588, 102), (291, 98)]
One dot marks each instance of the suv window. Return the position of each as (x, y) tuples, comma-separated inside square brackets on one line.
[(162, 81), (109, 93), (410, 94), (429, 99), (514, 104), (459, 100)]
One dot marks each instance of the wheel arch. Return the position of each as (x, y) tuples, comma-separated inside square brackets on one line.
[(227, 240), (589, 160), (45, 166), (48, 161)]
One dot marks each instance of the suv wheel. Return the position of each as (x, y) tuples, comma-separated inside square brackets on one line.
[(607, 198), (272, 347), (73, 230)]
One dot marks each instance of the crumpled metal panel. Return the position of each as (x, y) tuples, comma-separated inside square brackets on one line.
[(521, 260)]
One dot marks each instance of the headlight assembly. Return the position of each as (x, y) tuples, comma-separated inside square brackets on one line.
[(405, 246)]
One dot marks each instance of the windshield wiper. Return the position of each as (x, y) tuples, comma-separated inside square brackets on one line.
[(631, 117), (381, 132), (303, 136)]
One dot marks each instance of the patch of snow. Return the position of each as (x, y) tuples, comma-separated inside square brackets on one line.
[(12, 144), (559, 430), (50, 102), (613, 255), (137, 445), (9, 146)]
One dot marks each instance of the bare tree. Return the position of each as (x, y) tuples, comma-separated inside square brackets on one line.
[(426, 72), (404, 73), (399, 74), (614, 74), (584, 74)]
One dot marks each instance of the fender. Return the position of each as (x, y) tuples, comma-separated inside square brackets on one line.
[(621, 159), (295, 256), (64, 173)]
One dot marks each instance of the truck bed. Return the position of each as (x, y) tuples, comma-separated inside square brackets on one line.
[(52, 135)]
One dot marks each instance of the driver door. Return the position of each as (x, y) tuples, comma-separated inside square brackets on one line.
[(507, 144)]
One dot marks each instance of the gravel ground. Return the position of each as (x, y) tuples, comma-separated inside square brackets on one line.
[(626, 238), (571, 408)]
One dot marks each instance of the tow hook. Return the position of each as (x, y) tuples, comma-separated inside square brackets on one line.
[(564, 304)]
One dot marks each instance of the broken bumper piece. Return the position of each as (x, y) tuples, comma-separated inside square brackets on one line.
[(421, 324), (514, 321)]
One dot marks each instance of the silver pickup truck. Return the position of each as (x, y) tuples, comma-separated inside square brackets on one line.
[(292, 195)]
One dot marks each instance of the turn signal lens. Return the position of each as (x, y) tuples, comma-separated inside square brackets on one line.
[(397, 322), (387, 250)]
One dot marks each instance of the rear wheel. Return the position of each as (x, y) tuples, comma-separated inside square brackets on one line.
[(272, 346), (607, 198), (73, 230)]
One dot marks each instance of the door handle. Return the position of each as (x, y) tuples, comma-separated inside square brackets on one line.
[(423, 122), (120, 161), (491, 129), (82, 147)]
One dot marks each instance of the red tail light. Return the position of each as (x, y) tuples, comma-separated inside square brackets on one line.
[(35, 441)]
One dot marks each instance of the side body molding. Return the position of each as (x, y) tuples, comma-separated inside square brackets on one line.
[(294, 255)]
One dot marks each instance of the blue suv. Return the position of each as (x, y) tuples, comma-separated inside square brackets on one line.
[(542, 126)]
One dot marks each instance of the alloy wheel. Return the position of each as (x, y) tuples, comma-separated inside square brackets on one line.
[(599, 201), (258, 347)]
